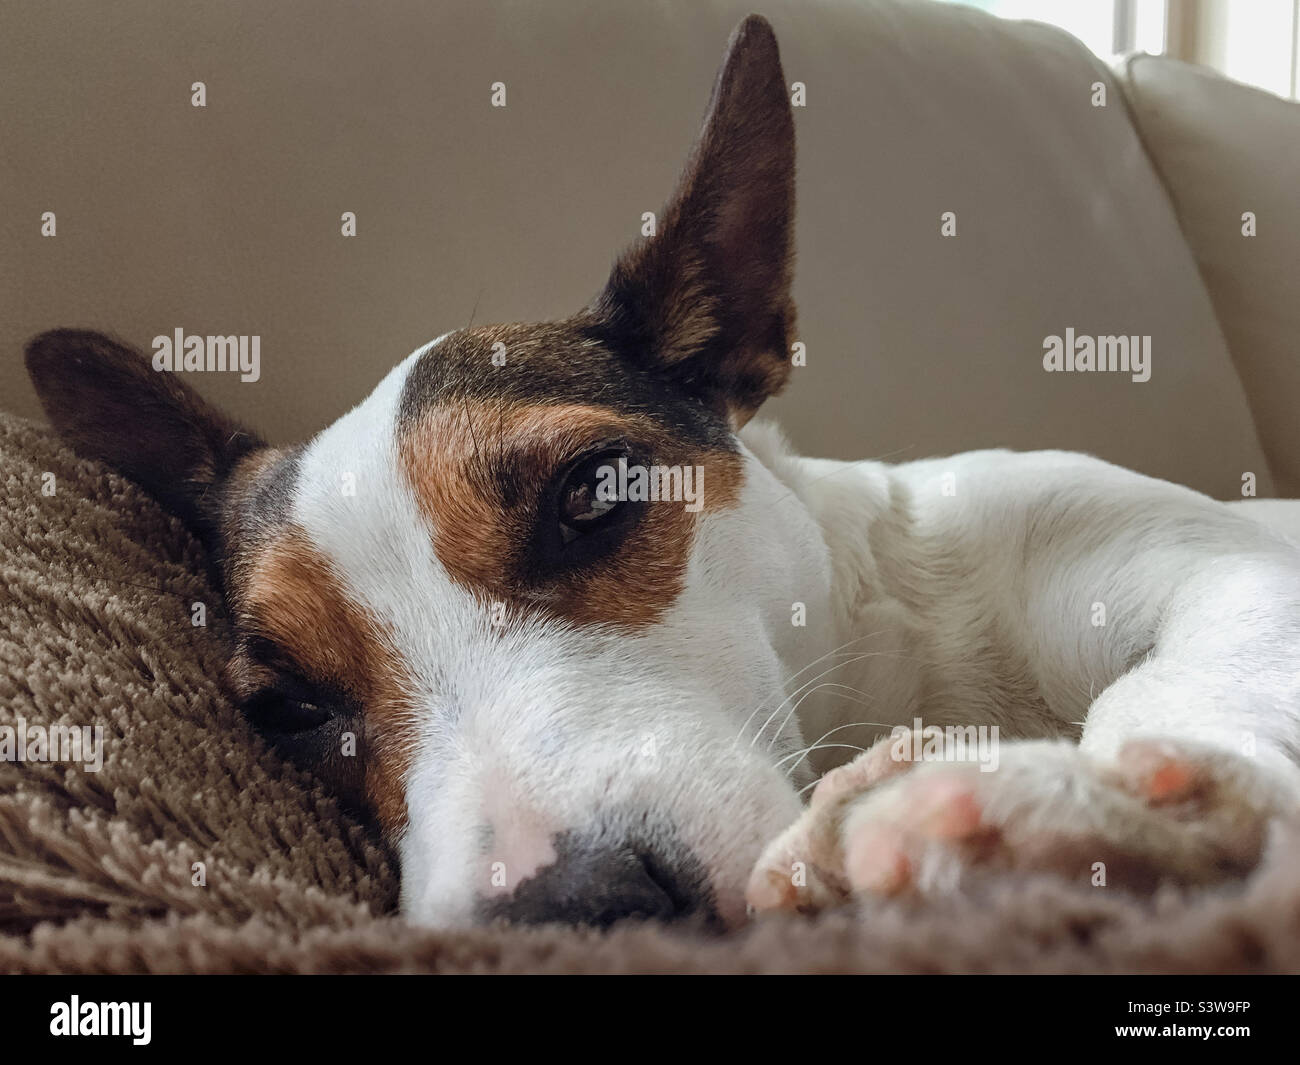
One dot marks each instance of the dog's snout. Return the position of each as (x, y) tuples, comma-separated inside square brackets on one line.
[(601, 885)]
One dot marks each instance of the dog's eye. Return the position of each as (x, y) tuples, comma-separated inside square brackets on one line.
[(276, 713), (590, 496)]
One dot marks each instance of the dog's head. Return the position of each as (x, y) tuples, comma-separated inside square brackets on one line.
[(462, 604)]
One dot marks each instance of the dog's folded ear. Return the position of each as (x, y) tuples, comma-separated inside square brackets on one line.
[(707, 298), (109, 403)]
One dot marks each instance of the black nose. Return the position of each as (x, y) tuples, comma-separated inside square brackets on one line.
[(597, 885)]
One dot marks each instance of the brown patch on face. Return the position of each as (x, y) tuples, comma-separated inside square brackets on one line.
[(481, 473), (291, 600)]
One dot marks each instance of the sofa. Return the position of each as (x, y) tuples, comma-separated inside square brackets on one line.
[(968, 188), (1115, 219)]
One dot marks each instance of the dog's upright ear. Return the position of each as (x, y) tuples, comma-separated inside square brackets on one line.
[(109, 403), (707, 298)]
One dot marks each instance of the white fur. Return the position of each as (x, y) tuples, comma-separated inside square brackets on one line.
[(1004, 574)]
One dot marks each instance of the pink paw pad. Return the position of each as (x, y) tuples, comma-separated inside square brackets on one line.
[(1158, 773), (770, 889), (878, 856), (875, 860), (947, 809)]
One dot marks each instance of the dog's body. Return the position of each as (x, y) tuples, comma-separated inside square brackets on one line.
[(1051, 595), (562, 706)]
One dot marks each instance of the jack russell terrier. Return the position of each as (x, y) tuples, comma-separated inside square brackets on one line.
[(567, 700)]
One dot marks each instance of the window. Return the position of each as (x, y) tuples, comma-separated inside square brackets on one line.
[(1108, 27), (1253, 41)]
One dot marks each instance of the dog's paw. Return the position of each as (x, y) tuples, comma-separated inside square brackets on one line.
[(1160, 811)]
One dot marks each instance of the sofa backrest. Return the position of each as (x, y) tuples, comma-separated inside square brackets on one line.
[(1230, 158), (226, 219)]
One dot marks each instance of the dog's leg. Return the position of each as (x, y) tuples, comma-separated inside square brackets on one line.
[(1224, 672), (1187, 754)]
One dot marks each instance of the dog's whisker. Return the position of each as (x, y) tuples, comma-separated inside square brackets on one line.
[(824, 747), (809, 786), (820, 658), (849, 655), (843, 691), (833, 651), (850, 658), (831, 688), (839, 665), (825, 735), (857, 656)]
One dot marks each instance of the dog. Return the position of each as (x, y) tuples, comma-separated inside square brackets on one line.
[(567, 696)]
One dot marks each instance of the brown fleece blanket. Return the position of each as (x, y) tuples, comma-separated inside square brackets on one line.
[(195, 849)]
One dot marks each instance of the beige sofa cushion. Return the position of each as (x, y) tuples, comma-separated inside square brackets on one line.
[(226, 219), (1224, 149)]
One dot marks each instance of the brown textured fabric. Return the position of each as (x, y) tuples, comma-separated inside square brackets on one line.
[(96, 869)]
